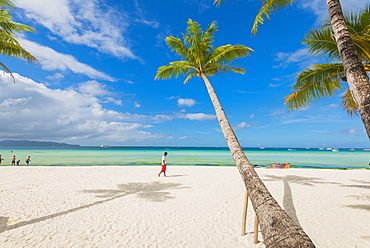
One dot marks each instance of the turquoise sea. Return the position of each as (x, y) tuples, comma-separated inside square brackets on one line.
[(187, 156)]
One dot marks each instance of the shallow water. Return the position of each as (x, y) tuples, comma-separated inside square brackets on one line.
[(124, 156)]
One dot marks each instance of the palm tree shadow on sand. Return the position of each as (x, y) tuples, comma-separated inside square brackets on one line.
[(155, 192), (288, 203)]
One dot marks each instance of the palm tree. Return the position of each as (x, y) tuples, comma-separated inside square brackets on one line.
[(201, 59), (324, 80), (9, 44), (356, 75)]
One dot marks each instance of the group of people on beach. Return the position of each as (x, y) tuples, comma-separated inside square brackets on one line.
[(15, 161)]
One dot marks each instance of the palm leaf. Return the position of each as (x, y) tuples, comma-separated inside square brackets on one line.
[(174, 69), (7, 3), (176, 45), (7, 69), (268, 6), (314, 84), (349, 104), (321, 42), (227, 53), (199, 56)]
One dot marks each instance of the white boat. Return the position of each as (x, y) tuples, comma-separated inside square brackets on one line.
[(104, 146), (335, 150)]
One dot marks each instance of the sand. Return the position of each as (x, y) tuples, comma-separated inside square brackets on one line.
[(192, 207)]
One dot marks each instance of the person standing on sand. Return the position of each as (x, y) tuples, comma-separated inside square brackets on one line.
[(164, 164), (13, 161), (28, 160), (1, 159)]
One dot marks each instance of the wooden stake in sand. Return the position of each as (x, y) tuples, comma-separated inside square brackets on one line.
[(256, 230), (244, 220), (245, 210)]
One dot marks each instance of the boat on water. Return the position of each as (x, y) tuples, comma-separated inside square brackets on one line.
[(104, 146), (335, 150)]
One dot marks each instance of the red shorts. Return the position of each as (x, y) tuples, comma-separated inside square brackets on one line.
[(163, 168)]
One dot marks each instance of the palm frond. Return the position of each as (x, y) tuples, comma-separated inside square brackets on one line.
[(314, 84), (8, 3), (358, 22), (7, 69), (267, 8), (174, 70), (321, 42), (9, 46), (193, 33), (362, 43), (9, 26), (199, 56), (319, 73), (349, 104), (227, 53), (218, 2), (176, 45), (190, 76)]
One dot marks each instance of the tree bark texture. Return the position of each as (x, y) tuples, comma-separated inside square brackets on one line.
[(278, 229), (357, 78)]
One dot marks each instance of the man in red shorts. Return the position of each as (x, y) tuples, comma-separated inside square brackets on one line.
[(164, 164)]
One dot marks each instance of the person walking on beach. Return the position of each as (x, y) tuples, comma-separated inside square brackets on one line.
[(18, 162), (28, 160), (13, 161), (164, 164), (1, 159)]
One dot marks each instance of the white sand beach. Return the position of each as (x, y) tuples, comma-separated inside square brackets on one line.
[(192, 207)]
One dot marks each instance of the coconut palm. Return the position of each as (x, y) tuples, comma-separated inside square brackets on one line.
[(324, 80), (201, 59), (356, 75), (9, 44)]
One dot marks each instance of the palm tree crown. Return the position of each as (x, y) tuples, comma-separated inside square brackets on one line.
[(9, 45), (199, 56), (324, 80)]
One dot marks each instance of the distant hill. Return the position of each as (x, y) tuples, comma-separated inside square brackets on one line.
[(29, 143)]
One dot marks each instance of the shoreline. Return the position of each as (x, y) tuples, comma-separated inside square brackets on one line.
[(195, 206), (157, 165)]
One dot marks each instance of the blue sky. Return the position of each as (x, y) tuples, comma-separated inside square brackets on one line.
[(95, 82)]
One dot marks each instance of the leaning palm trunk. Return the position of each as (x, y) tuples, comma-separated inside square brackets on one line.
[(357, 78), (278, 229)]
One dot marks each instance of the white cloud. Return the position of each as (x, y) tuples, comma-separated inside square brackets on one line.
[(88, 23), (301, 57), (186, 102), (51, 60), (277, 112), (333, 105), (274, 85), (199, 116), (320, 8), (137, 105), (30, 110), (57, 76), (93, 87), (242, 125), (346, 131), (112, 100)]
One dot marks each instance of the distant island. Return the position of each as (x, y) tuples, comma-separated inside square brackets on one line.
[(30, 143)]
